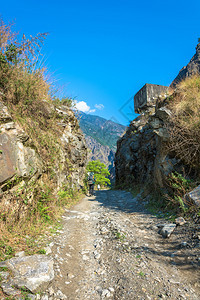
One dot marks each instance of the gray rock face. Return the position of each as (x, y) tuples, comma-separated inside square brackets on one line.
[(141, 155), (19, 159), (32, 272), (15, 158), (147, 95), (193, 67)]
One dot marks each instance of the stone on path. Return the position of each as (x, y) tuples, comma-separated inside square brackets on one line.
[(180, 221), (167, 230), (32, 272), (9, 290)]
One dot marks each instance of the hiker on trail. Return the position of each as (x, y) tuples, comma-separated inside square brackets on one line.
[(91, 182), (98, 187)]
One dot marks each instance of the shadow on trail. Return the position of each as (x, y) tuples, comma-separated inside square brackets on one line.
[(119, 200)]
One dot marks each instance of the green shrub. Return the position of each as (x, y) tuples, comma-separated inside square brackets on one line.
[(179, 186)]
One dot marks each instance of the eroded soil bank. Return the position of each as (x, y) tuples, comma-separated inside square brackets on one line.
[(110, 247)]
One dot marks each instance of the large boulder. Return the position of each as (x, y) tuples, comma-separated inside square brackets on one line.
[(32, 272), (194, 196)]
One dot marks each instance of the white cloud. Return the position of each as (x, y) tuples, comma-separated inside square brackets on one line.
[(99, 106), (82, 106)]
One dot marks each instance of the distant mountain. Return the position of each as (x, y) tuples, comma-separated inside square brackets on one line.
[(105, 132), (101, 137)]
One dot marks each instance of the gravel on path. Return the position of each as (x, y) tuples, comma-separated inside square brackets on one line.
[(110, 248)]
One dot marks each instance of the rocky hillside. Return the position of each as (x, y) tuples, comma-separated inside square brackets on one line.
[(43, 152), (145, 154), (26, 158), (101, 137)]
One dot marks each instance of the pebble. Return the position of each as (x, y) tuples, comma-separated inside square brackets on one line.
[(20, 254), (48, 250), (85, 257), (45, 297), (106, 293), (99, 289), (51, 291), (61, 295), (183, 244), (111, 289), (70, 275), (180, 221)]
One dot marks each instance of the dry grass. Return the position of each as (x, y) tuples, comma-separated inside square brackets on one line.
[(26, 210), (27, 225), (185, 121)]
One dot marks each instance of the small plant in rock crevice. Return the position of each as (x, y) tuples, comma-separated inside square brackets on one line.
[(120, 236)]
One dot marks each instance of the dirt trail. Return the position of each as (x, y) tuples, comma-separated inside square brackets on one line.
[(109, 247)]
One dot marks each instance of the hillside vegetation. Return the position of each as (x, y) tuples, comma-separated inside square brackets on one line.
[(184, 125), (41, 144)]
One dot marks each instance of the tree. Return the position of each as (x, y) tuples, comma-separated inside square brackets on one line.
[(100, 172)]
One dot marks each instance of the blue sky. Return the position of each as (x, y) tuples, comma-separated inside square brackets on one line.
[(103, 52)]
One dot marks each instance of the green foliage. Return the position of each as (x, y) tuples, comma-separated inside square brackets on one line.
[(42, 251), (100, 172), (141, 274), (179, 186), (65, 195), (9, 250), (120, 236), (3, 269), (63, 101), (44, 198), (25, 292)]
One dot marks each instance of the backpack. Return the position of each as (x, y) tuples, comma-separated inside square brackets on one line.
[(91, 178)]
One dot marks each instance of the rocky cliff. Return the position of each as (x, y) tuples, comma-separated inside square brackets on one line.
[(55, 158), (99, 152), (193, 67), (144, 155)]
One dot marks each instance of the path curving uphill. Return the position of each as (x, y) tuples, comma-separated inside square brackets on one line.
[(110, 248)]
